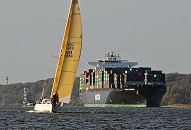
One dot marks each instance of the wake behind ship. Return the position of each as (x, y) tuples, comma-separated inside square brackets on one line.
[(116, 81)]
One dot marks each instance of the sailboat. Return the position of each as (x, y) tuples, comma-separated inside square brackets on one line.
[(67, 63)]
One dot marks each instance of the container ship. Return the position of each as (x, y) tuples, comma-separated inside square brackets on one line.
[(116, 81)]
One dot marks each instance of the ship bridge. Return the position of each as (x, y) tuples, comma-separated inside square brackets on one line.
[(112, 61)]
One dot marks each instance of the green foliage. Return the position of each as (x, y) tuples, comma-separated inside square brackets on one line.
[(178, 89), (13, 93)]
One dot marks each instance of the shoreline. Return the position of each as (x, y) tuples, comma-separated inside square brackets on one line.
[(178, 106)]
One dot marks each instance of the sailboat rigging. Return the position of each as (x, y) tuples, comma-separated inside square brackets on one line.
[(67, 62)]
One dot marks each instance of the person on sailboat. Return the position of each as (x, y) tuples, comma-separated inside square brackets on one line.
[(54, 99)]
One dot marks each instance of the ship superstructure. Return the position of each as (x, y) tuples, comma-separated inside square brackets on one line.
[(112, 61), (116, 81)]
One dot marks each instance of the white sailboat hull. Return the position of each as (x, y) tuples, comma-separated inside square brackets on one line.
[(43, 107)]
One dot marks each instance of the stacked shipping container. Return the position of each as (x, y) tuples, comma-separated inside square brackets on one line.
[(119, 78)]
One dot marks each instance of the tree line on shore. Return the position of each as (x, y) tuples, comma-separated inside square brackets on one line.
[(178, 90)]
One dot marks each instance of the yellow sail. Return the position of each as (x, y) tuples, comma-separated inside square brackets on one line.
[(69, 55)]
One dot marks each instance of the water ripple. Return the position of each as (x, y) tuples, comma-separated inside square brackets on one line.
[(16, 117)]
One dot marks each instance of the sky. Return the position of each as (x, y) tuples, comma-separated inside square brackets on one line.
[(156, 33)]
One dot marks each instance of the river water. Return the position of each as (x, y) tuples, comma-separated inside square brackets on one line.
[(17, 117)]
